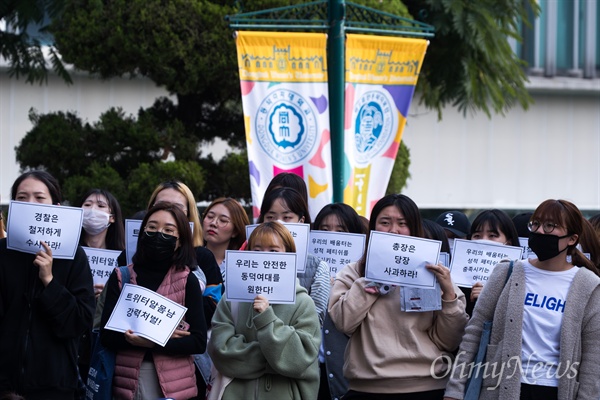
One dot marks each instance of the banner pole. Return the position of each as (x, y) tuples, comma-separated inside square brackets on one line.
[(336, 71)]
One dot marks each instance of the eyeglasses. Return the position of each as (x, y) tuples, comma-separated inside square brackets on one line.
[(548, 227), (219, 220), (165, 232)]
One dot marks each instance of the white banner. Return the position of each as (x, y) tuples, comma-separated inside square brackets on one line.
[(400, 260), (337, 249), (252, 273), (146, 313), (102, 263), (474, 260), (30, 224)]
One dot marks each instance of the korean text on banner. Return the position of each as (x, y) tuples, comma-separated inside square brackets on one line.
[(381, 75), (283, 78)]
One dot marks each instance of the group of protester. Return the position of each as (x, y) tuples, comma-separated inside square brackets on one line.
[(342, 338)]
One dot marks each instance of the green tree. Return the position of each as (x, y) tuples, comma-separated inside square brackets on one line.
[(120, 153), (469, 62), (186, 46), (400, 173), (24, 51)]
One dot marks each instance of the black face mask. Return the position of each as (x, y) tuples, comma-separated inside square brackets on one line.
[(159, 247), (545, 247)]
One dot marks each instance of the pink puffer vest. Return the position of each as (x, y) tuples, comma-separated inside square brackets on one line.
[(176, 374)]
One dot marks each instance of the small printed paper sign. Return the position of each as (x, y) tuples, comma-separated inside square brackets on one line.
[(146, 313), (444, 259), (337, 249), (132, 233), (30, 224), (474, 260), (527, 252), (270, 274), (102, 263), (300, 233), (400, 260)]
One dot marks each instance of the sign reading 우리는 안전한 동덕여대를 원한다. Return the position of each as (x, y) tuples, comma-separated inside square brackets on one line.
[(252, 273)]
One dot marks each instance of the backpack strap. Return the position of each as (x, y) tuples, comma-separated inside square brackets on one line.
[(125, 275)]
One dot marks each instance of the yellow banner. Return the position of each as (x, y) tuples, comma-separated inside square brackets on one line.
[(282, 57), (381, 74), (383, 60)]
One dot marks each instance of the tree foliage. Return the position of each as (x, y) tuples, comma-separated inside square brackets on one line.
[(187, 47), (400, 172), (121, 153), (24, 51), (469, 63)]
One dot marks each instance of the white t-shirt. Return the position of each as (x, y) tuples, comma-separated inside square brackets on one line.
[(545, 298)]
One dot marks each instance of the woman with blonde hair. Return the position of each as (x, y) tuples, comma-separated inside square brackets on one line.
[(224, 224)]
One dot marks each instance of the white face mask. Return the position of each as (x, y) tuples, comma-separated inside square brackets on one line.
[(95, 221)]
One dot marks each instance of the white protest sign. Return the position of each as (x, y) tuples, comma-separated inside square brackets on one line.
[(29, 224), (146, 313), (270, 274), (132, 233), (337, 249), (102, 263), (300, 233), (474, 260), (527, 252), (400, 260), (445, 259)]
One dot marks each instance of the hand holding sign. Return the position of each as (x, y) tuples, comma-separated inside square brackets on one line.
[(443, 277), (43, 260), (136, 340)]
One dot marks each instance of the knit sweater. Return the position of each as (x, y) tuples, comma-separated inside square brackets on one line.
[(391, 351), (271, 355), (579, 338)]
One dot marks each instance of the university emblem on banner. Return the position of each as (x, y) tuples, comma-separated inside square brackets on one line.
[(373, 125), (286, 126)]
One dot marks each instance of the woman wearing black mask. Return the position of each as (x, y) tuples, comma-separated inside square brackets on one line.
[(546, 318), (161, 263)]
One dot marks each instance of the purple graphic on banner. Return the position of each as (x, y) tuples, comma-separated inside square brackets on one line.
[(402, 95), (320, 103), (254, 172)]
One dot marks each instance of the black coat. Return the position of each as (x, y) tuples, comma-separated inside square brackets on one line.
[(40, 327)]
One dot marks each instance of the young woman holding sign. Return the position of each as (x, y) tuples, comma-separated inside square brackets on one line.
[(46, 304), (495, 226), (544, 341), (285, 204), (103, 224), (336, 217), (391, 354), (269, 350), (102, 228), (162, 263)]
